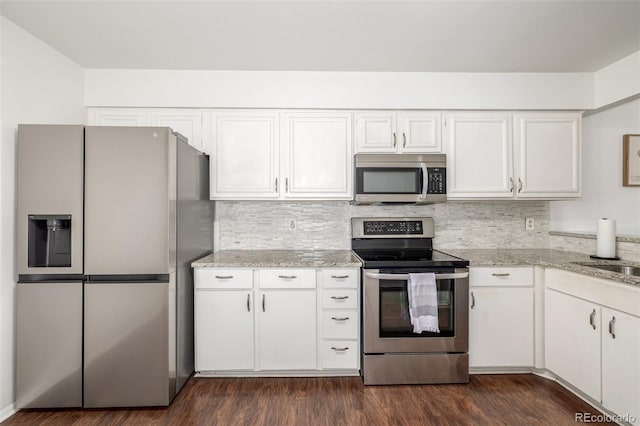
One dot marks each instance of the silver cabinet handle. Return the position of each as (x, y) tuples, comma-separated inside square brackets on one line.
[(287, 277), (473, 300), (404, 140), (248, 302), (612, 323), (592, 319), (263, 297), (510, 184), (339, 277), (501, 275), (276, 185), (394, 139), (286, 184), (405, 277), (339, 297), (519, 185), (340, 319), (224, 277), (339, 349)]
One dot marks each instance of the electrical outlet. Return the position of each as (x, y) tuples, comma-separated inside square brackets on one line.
[(292, 224), (529, 224)]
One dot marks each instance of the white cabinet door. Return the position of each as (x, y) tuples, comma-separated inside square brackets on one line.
[(317, 156), (184, 121), (621, 363), (572, 341), (119, 117), (376, 131), (245, 155), (479, 163), (287, 329), (501, 327), (224, 337), (419, 132), (548, 152)]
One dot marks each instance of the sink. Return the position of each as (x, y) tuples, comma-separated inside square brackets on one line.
[(621, 269)]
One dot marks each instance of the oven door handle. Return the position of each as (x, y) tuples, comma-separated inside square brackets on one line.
[(405, 277)]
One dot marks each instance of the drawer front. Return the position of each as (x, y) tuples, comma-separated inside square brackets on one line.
[(340, 299), (340, 278), (287, 278), (340, 354), (506, 276), (223, 278), (340, 324)]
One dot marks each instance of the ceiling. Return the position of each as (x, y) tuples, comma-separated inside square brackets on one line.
[(336, 35)]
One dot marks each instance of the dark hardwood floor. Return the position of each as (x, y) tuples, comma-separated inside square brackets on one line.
[(487, 400)]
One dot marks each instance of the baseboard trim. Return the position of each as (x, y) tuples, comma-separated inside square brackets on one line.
[(7, 412)]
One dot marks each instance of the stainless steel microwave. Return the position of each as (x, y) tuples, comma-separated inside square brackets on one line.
[(400, 178)]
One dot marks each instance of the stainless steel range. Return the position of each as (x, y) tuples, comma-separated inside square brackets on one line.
[(392, 353)]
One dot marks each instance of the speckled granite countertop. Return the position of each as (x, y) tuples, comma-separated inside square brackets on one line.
[(559, 259), (279, 258)]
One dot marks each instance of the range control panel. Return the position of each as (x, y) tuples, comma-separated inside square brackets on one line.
[(398, 227), (437, 180)]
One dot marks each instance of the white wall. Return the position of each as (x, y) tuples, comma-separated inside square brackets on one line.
[(38, 85), (603, 193), (351, 90)]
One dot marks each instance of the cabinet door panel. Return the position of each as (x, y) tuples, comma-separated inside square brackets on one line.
[(118, 117), (547, 147), (186, 122), (224, 330), (419, 132), (375, 131), (317, 155), (621, 363), (501, 327), (287, 335), (572, 343), (479, 163), (245, 150)]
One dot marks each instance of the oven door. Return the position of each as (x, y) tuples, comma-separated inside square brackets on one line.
[(386, 322)]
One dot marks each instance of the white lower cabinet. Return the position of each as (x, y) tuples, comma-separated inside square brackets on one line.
[(275, 319), (501, 317), (287, 330)]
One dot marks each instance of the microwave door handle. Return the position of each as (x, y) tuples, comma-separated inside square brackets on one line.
[(424, 180), (405, 277)]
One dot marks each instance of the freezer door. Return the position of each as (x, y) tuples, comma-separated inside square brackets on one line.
[(126, 344), (49, 345), (129, 200)]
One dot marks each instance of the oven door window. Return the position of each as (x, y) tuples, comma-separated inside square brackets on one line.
[(386, 180), (394, 310)]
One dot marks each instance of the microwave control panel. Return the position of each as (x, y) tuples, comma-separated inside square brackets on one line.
[(437, 180), (389, 227)]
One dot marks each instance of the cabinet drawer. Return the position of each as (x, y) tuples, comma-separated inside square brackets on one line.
[(512, 277), (340, 354), (340, 324), (287, 278), (337, 299), (340, 278), (223, 278)]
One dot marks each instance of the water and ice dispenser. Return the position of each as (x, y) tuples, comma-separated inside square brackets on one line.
[(49, 241)]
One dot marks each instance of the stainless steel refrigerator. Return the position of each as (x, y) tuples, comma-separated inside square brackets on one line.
[(109, 219)]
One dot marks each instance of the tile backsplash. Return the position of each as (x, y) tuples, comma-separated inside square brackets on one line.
[(246, 225)]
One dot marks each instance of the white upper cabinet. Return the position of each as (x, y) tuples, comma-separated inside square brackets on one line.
[(403, 131), (119, 117), (316, 155), (244, 150), (184, 121), (548, 154), (479, 155), (536, 157)]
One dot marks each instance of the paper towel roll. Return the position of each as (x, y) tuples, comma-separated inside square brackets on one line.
[(606, 238)]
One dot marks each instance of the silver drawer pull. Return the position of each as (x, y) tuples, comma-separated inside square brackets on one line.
[(339, 277), (612, 323), (339, 349), (592, 319), (501, 275), (224, 277), (339, 297), (340, 319), (287, 277)]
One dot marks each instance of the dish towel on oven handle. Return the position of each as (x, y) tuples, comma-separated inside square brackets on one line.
[(423, 302)]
